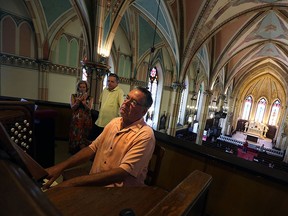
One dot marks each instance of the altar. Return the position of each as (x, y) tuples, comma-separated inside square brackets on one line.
[(252, 138), (257, 129)]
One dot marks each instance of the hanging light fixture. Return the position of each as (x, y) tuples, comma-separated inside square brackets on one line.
[(153, 42)]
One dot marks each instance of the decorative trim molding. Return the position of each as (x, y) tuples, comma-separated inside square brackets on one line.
[(37, 64), (16, 61)]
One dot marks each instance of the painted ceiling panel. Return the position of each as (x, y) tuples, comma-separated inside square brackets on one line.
[(273, 51), (149, 8), (226, 34), (224, 10), (125, 25), (191, 10), (237, 59), (146, 34), (53, 9), (269, 27), (247, 58), (174, 10), (107, 26), (238, 62)]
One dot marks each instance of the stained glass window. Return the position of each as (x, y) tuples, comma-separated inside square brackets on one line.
[(274, 113), (84, 74), (247, 108), (153, 87), (260, 110)]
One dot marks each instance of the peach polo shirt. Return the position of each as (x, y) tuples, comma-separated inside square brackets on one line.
[(130, 148)]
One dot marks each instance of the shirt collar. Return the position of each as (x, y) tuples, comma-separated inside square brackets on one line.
[(136, 126), (113, 89)]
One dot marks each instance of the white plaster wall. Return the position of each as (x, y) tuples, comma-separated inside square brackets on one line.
[(165, 102), (60, 87), (125, 88), (18, 82)]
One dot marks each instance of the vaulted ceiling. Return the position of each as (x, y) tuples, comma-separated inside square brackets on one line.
[(237, 41)]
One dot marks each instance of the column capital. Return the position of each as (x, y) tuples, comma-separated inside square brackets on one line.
[(222, 96), (44, 65), (101, 68), (207, 92), (177, 85)]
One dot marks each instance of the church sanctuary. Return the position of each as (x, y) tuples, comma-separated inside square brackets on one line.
[(218, 74)]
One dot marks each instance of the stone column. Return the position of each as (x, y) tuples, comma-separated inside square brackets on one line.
[(221, 102), (203, 115), (286, 156), (174, 108), (44, 67), (229, 118)]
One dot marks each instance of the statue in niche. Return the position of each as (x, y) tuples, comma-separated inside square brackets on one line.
[(246, 126), (265, 130), (163, 120), (285, 128)]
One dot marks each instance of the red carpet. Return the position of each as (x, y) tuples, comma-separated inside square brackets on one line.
[(247, 156)]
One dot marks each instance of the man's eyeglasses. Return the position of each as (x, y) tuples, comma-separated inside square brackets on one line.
[(132, 101)]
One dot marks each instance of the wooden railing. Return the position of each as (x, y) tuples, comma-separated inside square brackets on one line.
[(237, 183), (274, 152), (187, 198)]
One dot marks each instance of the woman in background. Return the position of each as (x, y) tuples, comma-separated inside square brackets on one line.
[(81, 124)]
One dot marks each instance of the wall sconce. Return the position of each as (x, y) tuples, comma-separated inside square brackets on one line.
[(192, 110), (100, 68), (212, 108), (225, 109), (176, 85), (194, 96), (191, 113), (103, 52)]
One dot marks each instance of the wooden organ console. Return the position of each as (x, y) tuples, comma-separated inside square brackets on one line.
[(18, 120), (22, 194), (32, 130)]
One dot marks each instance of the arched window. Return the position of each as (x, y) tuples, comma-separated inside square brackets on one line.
[(84, 74), (153, 87), (73, 53), (63, 47), (274, 112), (260, 110), (184, 111), (247, 108), (180, 120)]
